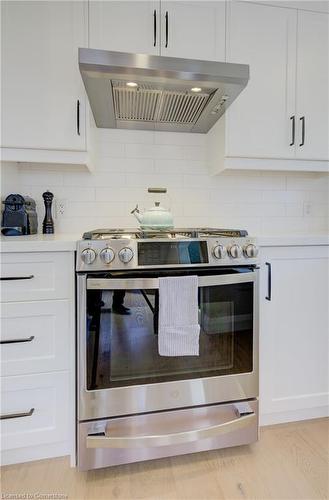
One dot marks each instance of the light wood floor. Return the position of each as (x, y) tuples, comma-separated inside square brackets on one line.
[(289, 462)]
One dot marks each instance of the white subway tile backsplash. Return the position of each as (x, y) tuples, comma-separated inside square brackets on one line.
[(125, 136), (140, 150), (39, 178), (154, 180), (128, 162), (95, 179), (181, 166), (98, 209), (110, 150), (126, 165), (181, 139), (312, 182)]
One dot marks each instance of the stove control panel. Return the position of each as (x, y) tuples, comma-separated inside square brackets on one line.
[(126, 253)]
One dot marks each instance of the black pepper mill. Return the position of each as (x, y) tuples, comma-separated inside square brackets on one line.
[(48, 223)]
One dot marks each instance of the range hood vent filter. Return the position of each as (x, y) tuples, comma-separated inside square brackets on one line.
[(155, 105)]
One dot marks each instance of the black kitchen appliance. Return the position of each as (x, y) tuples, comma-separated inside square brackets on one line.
[(19, 216)]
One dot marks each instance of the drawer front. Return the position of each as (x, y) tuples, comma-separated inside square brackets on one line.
[(39, 405), (144, 437), (35, 336), (36, 276)]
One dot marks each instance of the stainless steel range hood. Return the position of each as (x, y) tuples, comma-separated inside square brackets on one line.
[(139, 91)]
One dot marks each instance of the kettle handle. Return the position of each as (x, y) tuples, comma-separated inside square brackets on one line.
[(157, 190), (136, 209)]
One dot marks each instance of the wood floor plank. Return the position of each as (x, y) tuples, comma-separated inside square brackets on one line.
[(290, 462)]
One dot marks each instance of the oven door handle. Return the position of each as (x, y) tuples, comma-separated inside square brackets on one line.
[(176, 438), (153, 283)]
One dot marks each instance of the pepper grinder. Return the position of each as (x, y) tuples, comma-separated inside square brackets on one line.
[(48, 223)]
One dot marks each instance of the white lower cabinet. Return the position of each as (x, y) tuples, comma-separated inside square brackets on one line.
[(293, 333), (37, 356), (41, 406), (34, 336)]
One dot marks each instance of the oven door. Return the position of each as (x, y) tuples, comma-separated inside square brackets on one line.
[(120, 369)]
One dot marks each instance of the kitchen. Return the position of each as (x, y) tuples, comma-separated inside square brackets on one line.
[(262, 167)]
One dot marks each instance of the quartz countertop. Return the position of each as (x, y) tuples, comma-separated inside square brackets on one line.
[(40, 243), (293, 240), (68, 242)]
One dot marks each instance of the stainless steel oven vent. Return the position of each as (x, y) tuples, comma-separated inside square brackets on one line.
[(140, 91), (157, 105)]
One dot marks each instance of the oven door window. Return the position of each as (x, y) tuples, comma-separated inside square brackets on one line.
[(122, 337)]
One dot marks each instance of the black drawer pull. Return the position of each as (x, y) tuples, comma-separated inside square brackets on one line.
[(17, 341), (269, 281), (17, 415), (14, 278)]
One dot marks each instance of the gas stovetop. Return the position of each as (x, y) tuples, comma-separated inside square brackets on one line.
[(134, 249), (137, 234)]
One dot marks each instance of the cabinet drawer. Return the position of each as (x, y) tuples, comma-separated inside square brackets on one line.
[(35, 336), (45, 402), (36, 276)]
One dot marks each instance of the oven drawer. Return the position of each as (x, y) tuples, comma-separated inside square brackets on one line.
[(155, 435), (36, 276)]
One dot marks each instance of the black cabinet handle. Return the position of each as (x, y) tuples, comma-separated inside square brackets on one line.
[(78, 117), (167, 29), (17, 415), (292, 119), (14, 278), (269, 281), (154, 28), (17, 341), (302, 119)]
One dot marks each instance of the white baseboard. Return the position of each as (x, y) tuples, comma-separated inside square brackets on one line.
[(40, 452), (293, 415)]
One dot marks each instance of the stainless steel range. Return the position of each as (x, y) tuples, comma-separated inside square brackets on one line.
[(134, 404)]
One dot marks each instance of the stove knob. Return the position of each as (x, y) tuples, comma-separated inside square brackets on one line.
[(219, 252), (235, 251), (126, 254), (250, 250), (107, 255), (88, 255)]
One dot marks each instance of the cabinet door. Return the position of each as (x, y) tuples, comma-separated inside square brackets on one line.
[(312, 85), (258, 122), (294, 333), (125, 26), (194, 30), (41, 83)]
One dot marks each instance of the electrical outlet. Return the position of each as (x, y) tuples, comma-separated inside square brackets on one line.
[(61, 207), (308, 208)]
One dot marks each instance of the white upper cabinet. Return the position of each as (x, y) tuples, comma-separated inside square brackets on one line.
[(258, 122), (280, 120), (43, 99), (125, 26), (194, 30), (312, 140)]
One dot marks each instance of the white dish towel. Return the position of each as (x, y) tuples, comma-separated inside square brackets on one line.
[(178, 316)]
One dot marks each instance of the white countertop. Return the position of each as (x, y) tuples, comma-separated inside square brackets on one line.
[(40, 243), (67, 242), (293, 240)]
